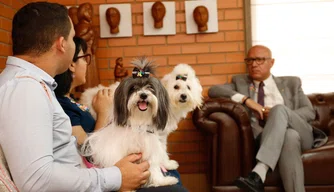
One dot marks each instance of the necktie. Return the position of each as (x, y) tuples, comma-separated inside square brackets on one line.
[(260, 94), (260, 100)]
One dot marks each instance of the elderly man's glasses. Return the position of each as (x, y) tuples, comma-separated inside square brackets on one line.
[(86, 57), (258, 60)]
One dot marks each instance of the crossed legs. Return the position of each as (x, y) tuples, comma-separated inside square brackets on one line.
[(283, 139)]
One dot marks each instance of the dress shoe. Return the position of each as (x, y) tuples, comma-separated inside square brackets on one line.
[(251, 183)]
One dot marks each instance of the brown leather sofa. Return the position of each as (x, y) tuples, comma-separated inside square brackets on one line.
[(232, 147)]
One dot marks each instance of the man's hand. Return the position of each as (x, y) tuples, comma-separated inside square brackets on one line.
[(257, 108), (133, 174), (266, 112)]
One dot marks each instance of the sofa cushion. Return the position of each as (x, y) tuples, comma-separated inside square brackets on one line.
[(6, 183), (323, 105), (319, 165)]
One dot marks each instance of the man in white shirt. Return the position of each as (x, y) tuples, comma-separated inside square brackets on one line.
[(279, 112), (35, 133)]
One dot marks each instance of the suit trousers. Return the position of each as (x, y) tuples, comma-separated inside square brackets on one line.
[(285, 136)]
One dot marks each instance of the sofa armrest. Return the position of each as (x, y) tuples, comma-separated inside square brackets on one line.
[(230, 136)]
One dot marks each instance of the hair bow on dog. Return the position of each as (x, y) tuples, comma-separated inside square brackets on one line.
[(182, 77), (139, 73)]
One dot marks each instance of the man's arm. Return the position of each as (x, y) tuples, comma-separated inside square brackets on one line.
[(305, 109), (227, 90), (27, 139)]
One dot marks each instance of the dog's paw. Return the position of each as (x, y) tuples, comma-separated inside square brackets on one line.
[(169, 180), (171, 165)]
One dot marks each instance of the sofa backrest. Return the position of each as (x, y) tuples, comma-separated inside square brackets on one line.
[(324, 108)]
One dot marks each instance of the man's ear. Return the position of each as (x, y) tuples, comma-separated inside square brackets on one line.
[(72, 67), (272, 62), (60, 44)]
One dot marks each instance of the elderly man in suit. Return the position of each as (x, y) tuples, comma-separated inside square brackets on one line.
[(280, 113)]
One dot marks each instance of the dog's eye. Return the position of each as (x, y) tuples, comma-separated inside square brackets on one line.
[(176, 87), (132, 89), (188, 87)]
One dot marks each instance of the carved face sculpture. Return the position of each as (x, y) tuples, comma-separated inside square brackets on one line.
[(201, 17), (158, 11), (85, 12), (113, 17), (119, 61), (73, 13)]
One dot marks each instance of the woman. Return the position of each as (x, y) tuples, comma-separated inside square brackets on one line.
[(82, 121)]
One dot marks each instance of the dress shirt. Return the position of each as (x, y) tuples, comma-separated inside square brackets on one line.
[(36, 136), (272, 96)]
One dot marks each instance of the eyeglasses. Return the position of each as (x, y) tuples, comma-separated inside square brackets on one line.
[(86, 57), (258, 60)]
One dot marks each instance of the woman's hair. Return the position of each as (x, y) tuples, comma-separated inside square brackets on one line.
[(65, 79)]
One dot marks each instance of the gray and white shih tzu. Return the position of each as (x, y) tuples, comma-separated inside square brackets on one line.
[(141, 111)]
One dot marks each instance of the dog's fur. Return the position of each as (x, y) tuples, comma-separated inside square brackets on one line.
[(141, 110), (185, 95)]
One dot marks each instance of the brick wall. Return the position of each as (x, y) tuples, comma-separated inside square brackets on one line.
[(7, 11), (215, 57)]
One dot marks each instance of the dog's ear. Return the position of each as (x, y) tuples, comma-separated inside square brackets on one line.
[(197, 92), (120, 104), (163, 109), (165, 79)]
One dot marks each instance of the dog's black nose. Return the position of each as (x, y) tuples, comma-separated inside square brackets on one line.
[(183, 96), (143, 96)]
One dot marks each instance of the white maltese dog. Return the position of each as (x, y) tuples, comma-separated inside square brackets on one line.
[(185, 94), (141, 110)]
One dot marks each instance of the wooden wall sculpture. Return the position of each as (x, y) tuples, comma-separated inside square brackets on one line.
[(82, 18), (158, 11), (201, 17), (120, 73), (113, 17)]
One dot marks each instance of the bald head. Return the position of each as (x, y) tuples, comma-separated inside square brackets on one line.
[(259, 62), (260, 48)]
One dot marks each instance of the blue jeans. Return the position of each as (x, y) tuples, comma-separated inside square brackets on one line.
[(174, 173)]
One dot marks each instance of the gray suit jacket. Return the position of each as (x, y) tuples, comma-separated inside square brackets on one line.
[(290, 89)]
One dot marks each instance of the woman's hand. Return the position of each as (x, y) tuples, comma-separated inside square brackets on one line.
[(102, 102)]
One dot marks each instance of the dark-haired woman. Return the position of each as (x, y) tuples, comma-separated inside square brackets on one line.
[(81, 120)]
